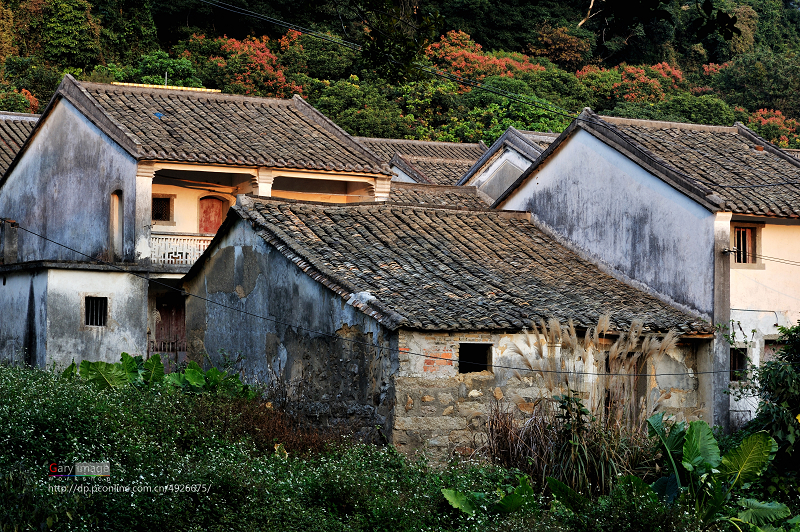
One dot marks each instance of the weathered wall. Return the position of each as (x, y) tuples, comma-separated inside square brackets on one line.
[(302, 342), (770, 290), (438, 409), (614, 209), (23, 314), (69, 338), (61, 189)]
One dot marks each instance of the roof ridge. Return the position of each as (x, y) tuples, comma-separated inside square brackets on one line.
[(189, 94), (415, 141), (18, 117), (662, 124)]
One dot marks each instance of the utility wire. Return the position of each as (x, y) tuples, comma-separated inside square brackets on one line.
[(337, 337), (547, 106)]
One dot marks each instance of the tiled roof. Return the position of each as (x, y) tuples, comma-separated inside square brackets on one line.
[(439, 195), (541, 139), (733, 162), (14, 131), (203, 127), (440, 163), (447, 269)]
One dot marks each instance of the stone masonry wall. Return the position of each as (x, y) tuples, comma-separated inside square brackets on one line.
[(439, 410)]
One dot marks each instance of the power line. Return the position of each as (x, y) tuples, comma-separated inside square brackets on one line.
[(547, 106), (336, 336)]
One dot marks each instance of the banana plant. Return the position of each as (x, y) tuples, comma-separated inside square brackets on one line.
[(708, 480)]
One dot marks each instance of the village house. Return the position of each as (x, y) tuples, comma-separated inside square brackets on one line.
[(403, 316), (707, 216), (117, 190), (425, 162), (506, 160)]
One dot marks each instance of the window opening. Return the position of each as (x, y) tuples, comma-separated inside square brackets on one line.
[(745, 244), (96, 309), (161, 210), (738, 364), (473, 357)]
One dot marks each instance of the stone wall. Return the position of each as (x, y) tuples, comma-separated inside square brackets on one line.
[(439, 410)]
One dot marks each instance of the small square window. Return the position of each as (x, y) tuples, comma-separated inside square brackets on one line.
[(162, 210), (744, 240), (474, 357), (738, 364), (96, 309)]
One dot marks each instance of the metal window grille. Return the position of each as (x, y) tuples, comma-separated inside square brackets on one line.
[(161, 209), (96, 311), (745, 248)]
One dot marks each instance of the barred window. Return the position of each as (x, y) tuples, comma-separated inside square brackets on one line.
[(161, 210), (96, 309), (745, 243)]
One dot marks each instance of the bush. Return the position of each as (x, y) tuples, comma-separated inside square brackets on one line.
[(683, 107)]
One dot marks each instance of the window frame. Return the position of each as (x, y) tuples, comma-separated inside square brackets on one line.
[(757, 264), (171, 221), (84, 296)]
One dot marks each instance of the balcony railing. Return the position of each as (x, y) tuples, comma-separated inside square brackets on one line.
[(178, 248)]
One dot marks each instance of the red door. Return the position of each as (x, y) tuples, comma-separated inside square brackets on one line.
[(210, 214)]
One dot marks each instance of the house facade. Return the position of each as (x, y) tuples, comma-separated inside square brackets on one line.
[(706, 215), (397, 315), (119, 189)]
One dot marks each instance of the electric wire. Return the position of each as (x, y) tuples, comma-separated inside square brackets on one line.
[(547, 106), (337, 337)]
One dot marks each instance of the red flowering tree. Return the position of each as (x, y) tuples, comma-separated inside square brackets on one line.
[(457, 53), (636, 86), (775, 127), (239, 67)]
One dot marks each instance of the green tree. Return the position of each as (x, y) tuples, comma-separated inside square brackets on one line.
[(158, 68), (361, 109), (69, 33)]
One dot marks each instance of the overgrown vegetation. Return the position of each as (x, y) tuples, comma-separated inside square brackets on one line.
[(705, 62)]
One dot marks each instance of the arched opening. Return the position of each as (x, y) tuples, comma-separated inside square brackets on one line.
[(115, 227), (212, 212)]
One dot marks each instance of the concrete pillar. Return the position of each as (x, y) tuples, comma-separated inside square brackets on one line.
[(143, 216), (722, 318), (262, 182)]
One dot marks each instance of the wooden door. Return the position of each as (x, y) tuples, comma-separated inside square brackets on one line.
[(170, 335), (210, 214)]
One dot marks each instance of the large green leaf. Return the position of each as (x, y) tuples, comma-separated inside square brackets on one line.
[(747, 461), (516, 499), (459, 501), (130, 368), (700, 449), (672, 442), (103, 374), (153, 369), (195, 378), (70, 372), (760, 513), (567, 496), (666, 488), (177, 379), (214, 377)]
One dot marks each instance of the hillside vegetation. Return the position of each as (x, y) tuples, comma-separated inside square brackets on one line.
[(696, 61)]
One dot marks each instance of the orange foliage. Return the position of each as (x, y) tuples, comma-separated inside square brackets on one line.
[(457, 53), (33, 103)]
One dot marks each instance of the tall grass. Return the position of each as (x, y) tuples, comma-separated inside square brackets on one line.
[(587, 427)]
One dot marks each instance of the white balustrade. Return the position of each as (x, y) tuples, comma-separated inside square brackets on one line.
[(177, 248)]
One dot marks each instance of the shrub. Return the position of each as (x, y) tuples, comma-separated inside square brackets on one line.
[(705, 109)]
